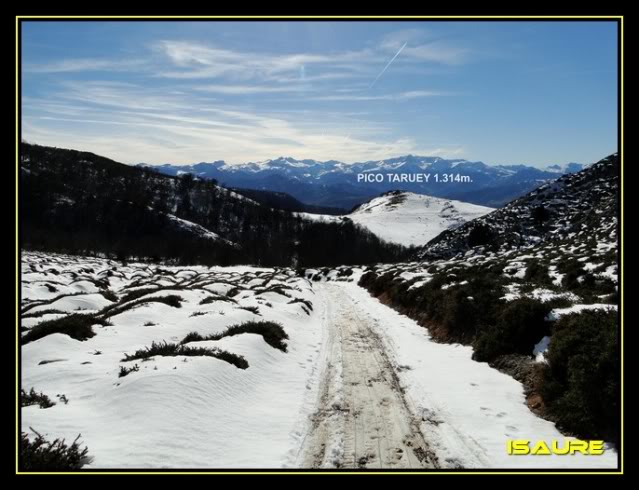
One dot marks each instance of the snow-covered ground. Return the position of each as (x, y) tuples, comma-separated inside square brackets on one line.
[(180, 412), (410, 219), (359, 384)]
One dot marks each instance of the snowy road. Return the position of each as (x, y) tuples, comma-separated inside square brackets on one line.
[(362, 420), (391, 397)]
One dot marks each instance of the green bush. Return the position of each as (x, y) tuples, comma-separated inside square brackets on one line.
[(76, 326), (253, 309), (38, 314), (305, 302), (537, 272), (518, 327), (138, 293), (573, 270), (192, 337), (278, 289), (33, 398), (345, 272), (480, 234), (40, 455), (459, 308), (171, 300), (125, 370), (171, 350), (272, 333), (110, 295), (581, 380), (213, 299)]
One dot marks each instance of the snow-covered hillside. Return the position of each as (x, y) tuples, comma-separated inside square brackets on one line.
[(410, 219), (414, 219), (184, 411)]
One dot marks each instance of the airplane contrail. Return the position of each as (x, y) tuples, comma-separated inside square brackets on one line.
[(389, 64)]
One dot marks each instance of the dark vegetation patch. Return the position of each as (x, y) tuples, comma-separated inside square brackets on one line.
[(50, 361), (138, 293), (234, 292), (584, 283), (345, 272), (34, 398), (110, 295), (517, 328), (38, 314), (276, 288), (453, 314), (213, 299), (272, 333), (537, 272), (581, 381), (171, 300), (253, 309), (77, 326), (41, 455), (305, 302), (127, 370), (171, 350)]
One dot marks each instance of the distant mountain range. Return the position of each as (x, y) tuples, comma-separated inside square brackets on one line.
[(335, 184)]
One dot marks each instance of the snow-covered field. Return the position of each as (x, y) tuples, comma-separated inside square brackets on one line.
[(358, 385), (410, 219), (181, 412)]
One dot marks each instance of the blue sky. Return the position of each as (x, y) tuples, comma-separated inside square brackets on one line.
[(185, 92)]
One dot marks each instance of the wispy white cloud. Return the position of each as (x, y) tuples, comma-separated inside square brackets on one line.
[(84, 65), (190, 102), (250, 89), (365, 96), (192, 60), (127, 127)]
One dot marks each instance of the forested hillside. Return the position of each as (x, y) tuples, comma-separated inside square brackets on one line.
[(78, 202)]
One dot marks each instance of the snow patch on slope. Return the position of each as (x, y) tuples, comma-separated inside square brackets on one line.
[(408, 218)]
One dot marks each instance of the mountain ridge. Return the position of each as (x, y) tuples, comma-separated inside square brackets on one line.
[(334, 183)]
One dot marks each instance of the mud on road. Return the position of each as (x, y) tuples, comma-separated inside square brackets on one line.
[(362, 419)]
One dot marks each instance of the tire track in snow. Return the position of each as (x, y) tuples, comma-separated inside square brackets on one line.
[(362, 419)]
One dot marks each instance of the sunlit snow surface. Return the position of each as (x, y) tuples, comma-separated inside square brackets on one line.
[(410, 219), (180, 412), (202, 412)]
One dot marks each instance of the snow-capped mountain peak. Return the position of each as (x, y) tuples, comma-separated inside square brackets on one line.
[(408, 218), (413, 219)]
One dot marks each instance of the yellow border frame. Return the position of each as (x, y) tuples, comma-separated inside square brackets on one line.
[(326, 17)]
